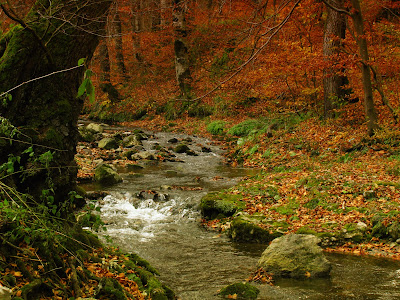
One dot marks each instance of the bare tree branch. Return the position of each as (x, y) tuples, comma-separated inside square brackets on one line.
[(335, 8)]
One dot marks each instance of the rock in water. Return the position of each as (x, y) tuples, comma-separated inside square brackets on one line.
[(106, 175), (243, 291), (95, 128), (108, 144), (296, 256)]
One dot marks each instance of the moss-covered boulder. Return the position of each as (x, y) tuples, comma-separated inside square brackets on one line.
[(106, 175), (108, 144), (182, 148), (295, 256), (131, 141), (95, 128), (86, 135), (247, 229), (240, 291), (220, 205)]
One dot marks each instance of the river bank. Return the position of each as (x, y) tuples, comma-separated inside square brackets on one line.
[(256, 190)]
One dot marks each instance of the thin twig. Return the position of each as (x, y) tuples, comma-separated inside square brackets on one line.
[(41, 77)]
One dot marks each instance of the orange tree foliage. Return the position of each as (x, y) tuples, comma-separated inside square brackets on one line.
[(287, 70)]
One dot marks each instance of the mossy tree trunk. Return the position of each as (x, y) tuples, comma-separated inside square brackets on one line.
[(53, 36), (182, 65)]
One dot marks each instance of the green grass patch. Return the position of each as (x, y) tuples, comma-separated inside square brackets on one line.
[(216, 127)]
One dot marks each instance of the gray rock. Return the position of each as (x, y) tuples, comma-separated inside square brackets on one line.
[(131, 141), (241, 290), (106, 175), (296, 256), (5, 293), (86, 135), (108, 144), (361, 226), (181, 148), (95, 128), (394, 231), (143, 155), (153, 195)]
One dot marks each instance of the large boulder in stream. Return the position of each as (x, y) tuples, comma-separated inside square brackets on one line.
[(106, 175), (295, 256)]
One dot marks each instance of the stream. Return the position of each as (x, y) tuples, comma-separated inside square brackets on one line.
[(196, 263)]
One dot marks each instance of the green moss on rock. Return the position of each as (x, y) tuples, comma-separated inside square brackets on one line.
[(220, 205), (246, 229), (241, 290), (106, 175)]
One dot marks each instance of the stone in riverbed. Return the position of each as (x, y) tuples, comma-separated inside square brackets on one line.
[(108, 144), (240, 291), (95, 128), (146, 155), (295, 256), (181, 148), (131, 141), (106, 175), (246, 229)]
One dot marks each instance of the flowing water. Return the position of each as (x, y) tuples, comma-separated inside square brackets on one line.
[(196, 263)]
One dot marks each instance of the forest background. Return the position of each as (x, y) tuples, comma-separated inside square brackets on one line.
[(305, 90)]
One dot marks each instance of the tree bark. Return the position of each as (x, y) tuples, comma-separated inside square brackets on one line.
[(104, 63), (46, 111), (335, 29), (370, 112), (183, 74), (119, 46)]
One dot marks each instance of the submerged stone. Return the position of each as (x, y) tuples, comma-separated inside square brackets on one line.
[(240, 291), (181, 148)]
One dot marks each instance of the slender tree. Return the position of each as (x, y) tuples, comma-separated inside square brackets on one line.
[(119, 45), (182, 68), (355, 14), (334, 33)]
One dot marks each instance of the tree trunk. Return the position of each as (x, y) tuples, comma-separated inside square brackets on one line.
[(119, 46), (335, 29), (183, 75), (163, 9), (370, 113), (104, 63), (46, 111), (136, 25)]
